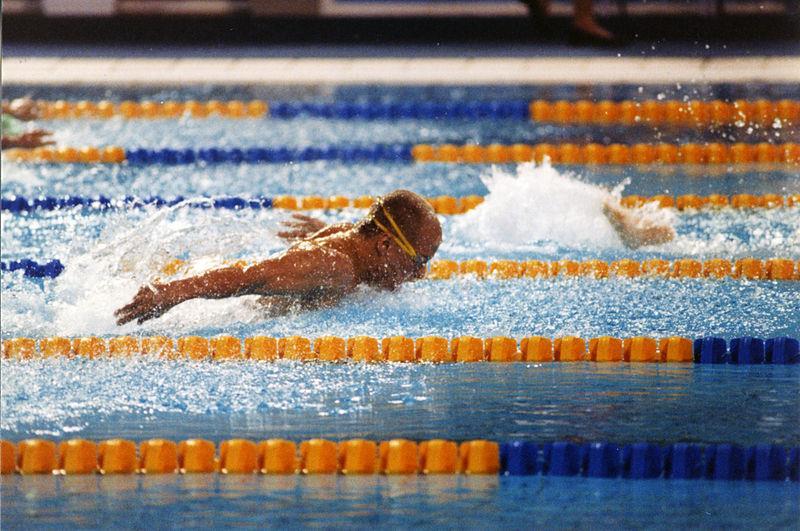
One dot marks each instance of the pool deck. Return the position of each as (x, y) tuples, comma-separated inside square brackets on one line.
[(465, 70)]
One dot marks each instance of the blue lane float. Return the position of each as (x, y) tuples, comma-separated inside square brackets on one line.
[(794, 464), (562, 459), (378, 153), (33, 269), (602, 460), (766, 462), (747, 351), (411, 110), (642, 460), (710, 350), (725, 462), (782, 351), (683, 461)]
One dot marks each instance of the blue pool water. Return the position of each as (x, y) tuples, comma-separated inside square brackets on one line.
[(530, 213), (539, 402)]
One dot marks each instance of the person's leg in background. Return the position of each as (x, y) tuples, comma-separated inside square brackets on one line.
[(585, 28)]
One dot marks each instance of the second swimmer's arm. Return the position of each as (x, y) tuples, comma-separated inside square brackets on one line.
[(302, 227), (634, 232)]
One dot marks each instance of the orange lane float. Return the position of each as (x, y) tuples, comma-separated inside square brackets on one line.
[(243, 456), (171, 109), (277, 456), (714, 153), (196, 456), (676, 113), (399, 456), (158, 456), (117, 456)]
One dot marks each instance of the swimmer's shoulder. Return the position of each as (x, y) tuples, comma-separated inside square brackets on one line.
[(326, 260)]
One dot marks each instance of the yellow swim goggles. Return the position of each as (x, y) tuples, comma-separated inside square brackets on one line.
[(400, 239)]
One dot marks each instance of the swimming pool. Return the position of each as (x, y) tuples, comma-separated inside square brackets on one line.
[(542, 213)]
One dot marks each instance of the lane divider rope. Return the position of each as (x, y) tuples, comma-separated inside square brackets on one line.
[(642, 460), (427, 349), (443, 204), (566, 153), (750, 269), (692, 113)]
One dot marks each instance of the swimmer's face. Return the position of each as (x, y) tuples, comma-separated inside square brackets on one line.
[(396, 266)]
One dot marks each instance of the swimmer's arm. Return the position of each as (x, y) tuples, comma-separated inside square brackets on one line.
[(331, 229), (294, 273), (633, 232), (305, 227)]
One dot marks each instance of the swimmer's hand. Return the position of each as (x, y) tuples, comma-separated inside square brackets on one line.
[(633, 230), (150, 302), (31, 139), (301, 226)]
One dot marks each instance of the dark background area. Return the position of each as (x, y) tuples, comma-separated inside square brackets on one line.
[(781, 31)]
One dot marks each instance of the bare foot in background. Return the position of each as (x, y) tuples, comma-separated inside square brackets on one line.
[(585, 29)]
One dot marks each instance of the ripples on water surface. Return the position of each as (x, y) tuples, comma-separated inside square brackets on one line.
[(542, 213), (391, 502), (101, 399)]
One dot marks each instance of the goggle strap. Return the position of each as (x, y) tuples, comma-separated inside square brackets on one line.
[(399, 238)]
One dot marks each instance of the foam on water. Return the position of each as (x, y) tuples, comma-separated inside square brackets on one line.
[(127, 255), (22, 176), (542, 207)]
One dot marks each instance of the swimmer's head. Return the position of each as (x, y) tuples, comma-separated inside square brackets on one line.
[(403, 233)]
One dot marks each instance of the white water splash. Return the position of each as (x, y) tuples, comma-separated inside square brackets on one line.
[(20, 173), (539, 205), (128, 256)]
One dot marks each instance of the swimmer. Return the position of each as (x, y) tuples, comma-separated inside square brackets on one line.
[(13, 136), (391, 245)]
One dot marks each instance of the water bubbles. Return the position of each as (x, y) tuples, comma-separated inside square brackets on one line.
[(539, 205)]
